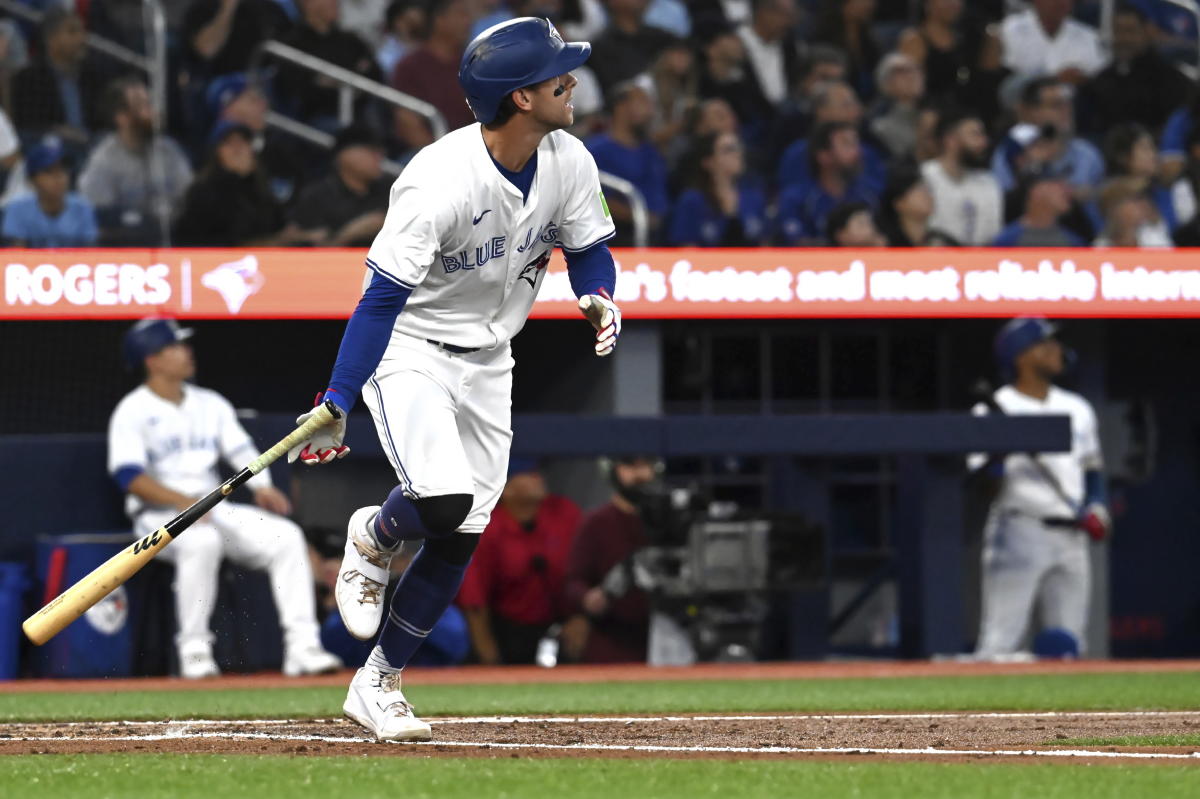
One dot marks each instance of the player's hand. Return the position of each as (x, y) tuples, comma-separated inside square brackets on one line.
[(325, 444), (1095, 521), (595, 602), (605, 316), (272, 499)]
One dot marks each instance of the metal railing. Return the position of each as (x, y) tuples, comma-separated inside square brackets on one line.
[(637, 206), (351, 82)]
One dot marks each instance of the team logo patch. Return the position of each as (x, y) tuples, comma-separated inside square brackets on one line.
[(530, 273), (604, 205), (108, 616), (236, 281)]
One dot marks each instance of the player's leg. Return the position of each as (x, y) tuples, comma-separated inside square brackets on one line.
[(1012, 570), (257, 539), (196, 556), (1067, 587)]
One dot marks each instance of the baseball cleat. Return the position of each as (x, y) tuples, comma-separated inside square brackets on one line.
[(196, 661), (376, 702), (363, 577), (309, 660)]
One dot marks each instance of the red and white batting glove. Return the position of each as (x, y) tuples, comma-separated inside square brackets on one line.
[(326, 444), (605, 316), (1095, 521)]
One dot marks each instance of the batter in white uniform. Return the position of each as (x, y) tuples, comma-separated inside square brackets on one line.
[(1048, 506), (471, 225), (165, 439)]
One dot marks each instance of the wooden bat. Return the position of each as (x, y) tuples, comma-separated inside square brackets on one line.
[(75, 601)]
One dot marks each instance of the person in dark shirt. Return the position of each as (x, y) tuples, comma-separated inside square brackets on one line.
[(1048, 199), (514, 588), (834, 101), (57, 93), (628, 46), (837, 168), (311, 96), (720, 210), (847, 25), (230, 204), (220, 36), (625, 151), (352, 200), (608, 629), (430, 73), (905, 208)]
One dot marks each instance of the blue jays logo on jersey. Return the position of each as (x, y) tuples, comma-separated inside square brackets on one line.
[(547, 233), (530, 273), (466, 259)]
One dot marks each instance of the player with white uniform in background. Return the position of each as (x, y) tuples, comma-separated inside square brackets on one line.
[(165, 439), (470, 228), (1048, 506)]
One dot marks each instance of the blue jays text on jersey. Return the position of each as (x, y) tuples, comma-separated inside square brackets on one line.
[(496, 246)]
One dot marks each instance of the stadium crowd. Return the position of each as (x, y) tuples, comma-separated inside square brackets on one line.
[(740, 122)]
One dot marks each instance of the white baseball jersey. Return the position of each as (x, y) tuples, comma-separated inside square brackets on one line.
[(459, 235), (1025, 489), (971, 210), (178, 445)]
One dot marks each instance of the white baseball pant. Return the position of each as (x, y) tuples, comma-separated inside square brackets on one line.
[(1025, 562), (253, 539), (445, 421)]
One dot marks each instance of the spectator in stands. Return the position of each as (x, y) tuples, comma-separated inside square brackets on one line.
[(962, 61), (363, 18), (52, 216), (221, 36), (628, 46), (853, 225), (1044, 41), (846, 24), (311, 96), (672, 80), (895, 118), (819, 64), (56, 93), (515, 587), (836, 163), (1130, 216), (1130, 152), (1047, 115), (906, 210), (135, 176), (967, 200), (771, 55), (14, 56), (724, 73), (625, 150), (1121, 91), (1047, 200), (719, 210), (430, 72), (352, 200), (609, 628), (403, 24), (230, 204), (833, 102), (12, 170)]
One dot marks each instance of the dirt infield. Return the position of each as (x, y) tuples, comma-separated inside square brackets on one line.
[(925, 736)]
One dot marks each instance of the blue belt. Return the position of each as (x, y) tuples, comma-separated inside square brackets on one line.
[(452, 347)]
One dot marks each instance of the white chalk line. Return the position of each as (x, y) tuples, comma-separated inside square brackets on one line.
[(773, 750)]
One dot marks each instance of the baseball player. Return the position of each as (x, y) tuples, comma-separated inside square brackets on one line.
[(1048, 505), (164, 441), (471, 225)]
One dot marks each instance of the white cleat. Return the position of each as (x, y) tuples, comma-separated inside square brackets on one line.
[(309, 660), (196, 661), (363, 577), (376, 702)]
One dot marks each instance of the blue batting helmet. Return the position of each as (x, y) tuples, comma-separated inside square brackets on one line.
[(1017, 336), (148, 337), (512, 55)]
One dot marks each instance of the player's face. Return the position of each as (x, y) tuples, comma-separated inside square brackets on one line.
[(635, 473), (173, 361), (554, 113), (1045, 358)]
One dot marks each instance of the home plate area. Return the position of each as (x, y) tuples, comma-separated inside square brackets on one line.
[(929, 736)]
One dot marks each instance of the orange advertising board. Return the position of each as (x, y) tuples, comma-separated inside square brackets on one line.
[(651, 284)]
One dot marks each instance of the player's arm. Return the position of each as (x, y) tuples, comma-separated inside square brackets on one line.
[(237, 447), (154, 493), (587, 225), (479, 625), (1094, 518)]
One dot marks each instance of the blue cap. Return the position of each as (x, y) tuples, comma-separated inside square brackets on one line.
[(224, 90), (519, 464), (225, 128), (46, 153), (148, 337), (1017, 336)]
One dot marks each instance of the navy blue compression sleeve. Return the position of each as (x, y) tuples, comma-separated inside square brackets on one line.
[(366, 338), (591, 270)]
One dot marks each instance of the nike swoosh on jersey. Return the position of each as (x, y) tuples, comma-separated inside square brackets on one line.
[(475, 220)]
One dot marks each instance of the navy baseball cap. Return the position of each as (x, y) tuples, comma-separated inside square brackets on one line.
[(226, 128), (46, 153), (224, 90), (150, 336), (518, 464)]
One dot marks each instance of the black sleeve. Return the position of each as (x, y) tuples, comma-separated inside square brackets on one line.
[(201, 222)]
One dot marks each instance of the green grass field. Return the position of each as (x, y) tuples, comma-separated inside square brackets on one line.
[(507, 775)]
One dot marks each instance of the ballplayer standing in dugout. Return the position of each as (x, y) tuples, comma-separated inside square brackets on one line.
[(471, 225), (1048, 507)]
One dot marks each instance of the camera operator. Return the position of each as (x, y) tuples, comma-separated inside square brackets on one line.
[(608, 629)]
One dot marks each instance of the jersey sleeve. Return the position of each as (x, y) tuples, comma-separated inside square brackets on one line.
[(586, 219), (126, 443), (1090, 455), (412, 233), (237, 448)]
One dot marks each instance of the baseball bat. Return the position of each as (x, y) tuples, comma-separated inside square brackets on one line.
[(75, 601)]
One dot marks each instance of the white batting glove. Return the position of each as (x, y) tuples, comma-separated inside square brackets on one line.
[(325, 445), (605, 316)]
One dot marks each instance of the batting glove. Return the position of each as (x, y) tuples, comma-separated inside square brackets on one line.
[(605, 316), (326, 444), (1095, 521)]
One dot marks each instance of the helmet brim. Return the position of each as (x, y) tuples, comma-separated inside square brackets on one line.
[(570, 57)]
